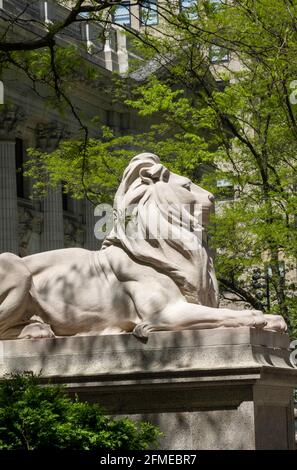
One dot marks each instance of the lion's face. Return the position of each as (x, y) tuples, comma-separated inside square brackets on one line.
[(190, 193), (146, 181), (166, 229)]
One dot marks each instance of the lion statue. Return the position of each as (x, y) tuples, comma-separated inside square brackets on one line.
[(146, 277)]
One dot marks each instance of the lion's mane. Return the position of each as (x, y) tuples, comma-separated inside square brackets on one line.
[(146, 187)]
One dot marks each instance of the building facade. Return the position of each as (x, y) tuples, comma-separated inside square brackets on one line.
[(28, 226)]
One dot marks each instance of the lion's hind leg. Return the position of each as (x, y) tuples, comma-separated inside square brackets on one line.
[(15, 301), (15, 283)]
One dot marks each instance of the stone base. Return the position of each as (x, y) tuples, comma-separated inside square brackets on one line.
[(209, 389)]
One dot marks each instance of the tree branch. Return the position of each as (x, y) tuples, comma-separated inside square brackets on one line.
[(242, 293)]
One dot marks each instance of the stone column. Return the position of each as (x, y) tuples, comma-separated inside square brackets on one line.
[(52, 236), (108, 56), (48, 137), (123, 58), (9, 119)]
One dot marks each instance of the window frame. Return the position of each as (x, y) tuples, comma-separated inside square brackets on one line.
[(156, 10), (184, 10), (19, 167), (223, 60), (127, 6)]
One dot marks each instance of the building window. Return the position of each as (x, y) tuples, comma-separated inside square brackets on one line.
[(215, 4), (19, 164), (218, 54), (85, 14), (66, 199), (110, 118), (225, 190), (148, 12), (122, 14), (189, 8), (124, 121)]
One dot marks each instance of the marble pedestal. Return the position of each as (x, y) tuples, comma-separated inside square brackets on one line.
[(210, 389)]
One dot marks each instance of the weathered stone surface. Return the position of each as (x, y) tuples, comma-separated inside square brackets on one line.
[(164, 351), (210, 389)]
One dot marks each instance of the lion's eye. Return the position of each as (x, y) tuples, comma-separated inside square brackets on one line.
[(187, 185)]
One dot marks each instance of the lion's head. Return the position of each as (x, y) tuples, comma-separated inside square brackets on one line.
[(160, 220)]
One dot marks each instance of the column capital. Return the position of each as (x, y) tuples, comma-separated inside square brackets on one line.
[(49, 135), (11, 117)]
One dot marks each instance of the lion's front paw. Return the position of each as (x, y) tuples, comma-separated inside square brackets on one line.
[(141, 331), (275, 323), (258, 319), (36, 330)]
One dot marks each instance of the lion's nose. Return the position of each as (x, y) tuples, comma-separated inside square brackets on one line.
[(208, 200)]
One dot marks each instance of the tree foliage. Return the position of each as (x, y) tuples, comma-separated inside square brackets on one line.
[(228, 76), (43, 417), (95, 168)]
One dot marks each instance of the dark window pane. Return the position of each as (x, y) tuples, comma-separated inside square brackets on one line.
[(19, 163), (65, 199), (225, 190)]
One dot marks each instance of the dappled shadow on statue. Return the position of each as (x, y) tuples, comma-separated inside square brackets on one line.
[(142, 280)]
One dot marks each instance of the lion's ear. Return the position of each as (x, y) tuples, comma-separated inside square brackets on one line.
[(154, 173)]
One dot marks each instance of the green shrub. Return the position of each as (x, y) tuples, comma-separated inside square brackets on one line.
[(44, 417)]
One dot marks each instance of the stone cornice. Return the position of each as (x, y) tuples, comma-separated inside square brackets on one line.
[(233, 353)]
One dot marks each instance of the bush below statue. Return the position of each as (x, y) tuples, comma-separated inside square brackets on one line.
[(44, 417)]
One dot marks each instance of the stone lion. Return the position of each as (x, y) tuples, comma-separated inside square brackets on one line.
[(139, 281)]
